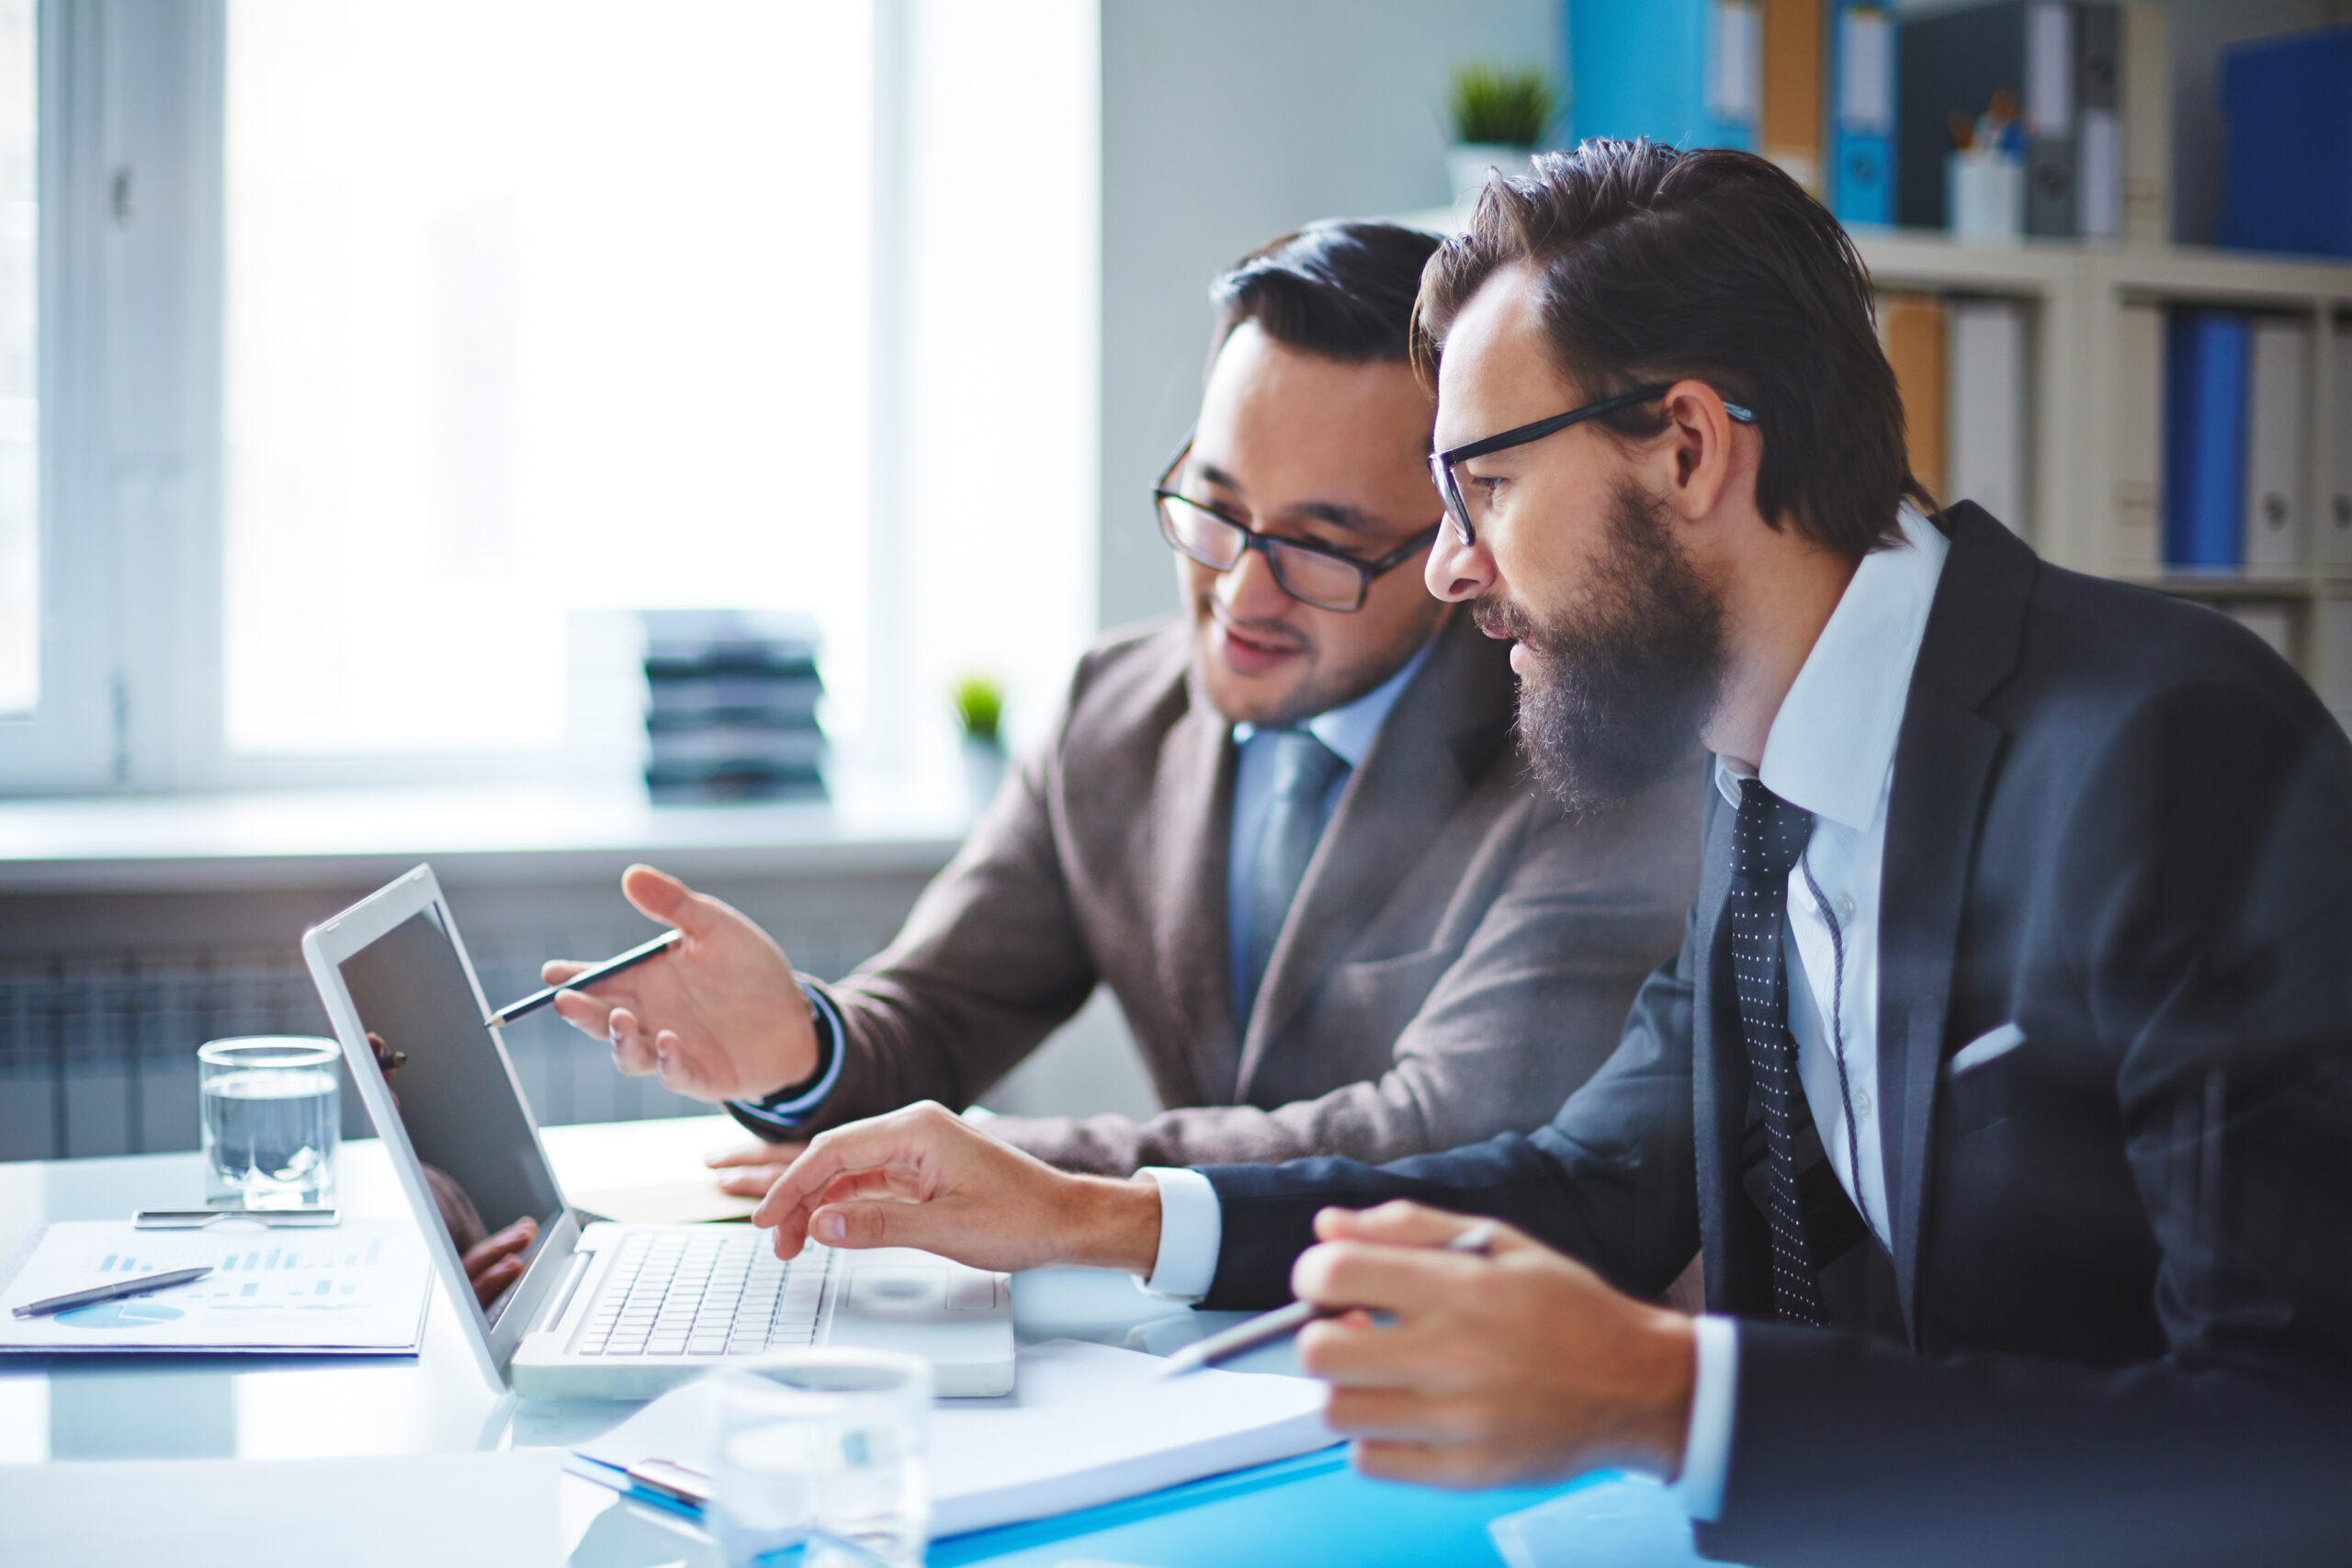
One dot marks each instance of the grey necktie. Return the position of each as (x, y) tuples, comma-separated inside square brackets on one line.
[(1303, 770)]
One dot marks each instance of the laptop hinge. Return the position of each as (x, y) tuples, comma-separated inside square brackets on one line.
[(578, 1271)]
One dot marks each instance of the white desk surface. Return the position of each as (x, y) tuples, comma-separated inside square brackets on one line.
[(435, 1401)]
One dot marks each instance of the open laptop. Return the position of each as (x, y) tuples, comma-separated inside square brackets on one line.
[(602, 1311)]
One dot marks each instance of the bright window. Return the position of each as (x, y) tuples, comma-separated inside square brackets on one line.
[(20, 622), (531, 307)]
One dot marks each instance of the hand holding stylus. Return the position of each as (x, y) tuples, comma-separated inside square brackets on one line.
[(717, 1017)]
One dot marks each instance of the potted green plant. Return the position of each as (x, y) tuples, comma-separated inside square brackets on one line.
[(1499, 113), (979, 712)]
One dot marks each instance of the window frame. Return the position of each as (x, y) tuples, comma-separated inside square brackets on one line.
[(132, 98)]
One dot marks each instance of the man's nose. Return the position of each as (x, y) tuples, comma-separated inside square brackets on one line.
[(1249, 591), (1457, 571)]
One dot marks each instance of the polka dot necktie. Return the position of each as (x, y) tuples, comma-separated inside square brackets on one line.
[(1767, 836)]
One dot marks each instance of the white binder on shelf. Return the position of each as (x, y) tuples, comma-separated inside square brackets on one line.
[(2338, 479), (2138, 541), (1984, 459), (2277, 409)]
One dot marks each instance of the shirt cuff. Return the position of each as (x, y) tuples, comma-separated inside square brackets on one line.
[(1192, 1228), (788, 1115), (1706, 1452)]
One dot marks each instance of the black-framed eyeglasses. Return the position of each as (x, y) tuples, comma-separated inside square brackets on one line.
[(1442, 464), (1311, 573)]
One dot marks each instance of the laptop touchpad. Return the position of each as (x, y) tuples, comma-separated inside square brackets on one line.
[(896, 1291)]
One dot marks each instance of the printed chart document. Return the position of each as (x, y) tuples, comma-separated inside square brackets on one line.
[(1085, 1425), (243, 1513), (359, 1287)]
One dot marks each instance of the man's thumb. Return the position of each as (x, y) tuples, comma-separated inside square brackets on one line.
[(661, 897)]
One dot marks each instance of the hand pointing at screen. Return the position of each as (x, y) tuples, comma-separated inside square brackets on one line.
[(718, 1017)]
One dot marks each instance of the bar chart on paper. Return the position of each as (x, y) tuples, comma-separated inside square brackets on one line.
[(360, 1286)]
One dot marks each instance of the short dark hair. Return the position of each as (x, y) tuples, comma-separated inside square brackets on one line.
[(1341, 290), (1657, 264)]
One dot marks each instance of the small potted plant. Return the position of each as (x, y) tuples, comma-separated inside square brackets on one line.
[(1500, 113), (980, 712)]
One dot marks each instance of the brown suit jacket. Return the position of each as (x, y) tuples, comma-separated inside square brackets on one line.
[(1459, 955)]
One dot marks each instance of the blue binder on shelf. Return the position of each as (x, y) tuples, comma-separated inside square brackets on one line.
[(1861, 112), (2205, 376), (2286, 168), (1689, 72)]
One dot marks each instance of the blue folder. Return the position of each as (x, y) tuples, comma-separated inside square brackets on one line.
[(1642, 70), (2287, 160), (2205, 376), (1314, 1508), (1861, 133)]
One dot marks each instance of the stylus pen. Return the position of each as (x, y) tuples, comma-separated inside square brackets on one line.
[(136, 1285), (1274, 1324), (588, 976)]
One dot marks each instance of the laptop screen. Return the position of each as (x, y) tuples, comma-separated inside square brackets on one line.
[(455, 1098)]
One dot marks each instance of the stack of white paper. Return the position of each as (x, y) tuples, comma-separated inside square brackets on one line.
[(1085, 1425), (360, 1286)]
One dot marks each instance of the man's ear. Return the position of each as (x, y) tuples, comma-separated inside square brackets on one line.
[(1701, 451)]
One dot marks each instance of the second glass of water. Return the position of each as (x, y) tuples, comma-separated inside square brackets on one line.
[(273, 1118), (824, 1443)]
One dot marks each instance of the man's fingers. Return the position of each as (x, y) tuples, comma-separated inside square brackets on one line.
[(556, 971), (1352, 1351), (751, 1182), (1405, 1415), (1427, 1465), (632, 1052), (1390, 1278), (516, 1238), (1398, 1223), (584, 1013), (886, 1221), (862, 1145), (493, 1282), (759, 1151), (685, 1071)]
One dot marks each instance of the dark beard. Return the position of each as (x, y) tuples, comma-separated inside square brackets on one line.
[(1612, 699)]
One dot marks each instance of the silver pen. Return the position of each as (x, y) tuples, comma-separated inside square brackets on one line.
[(136, 1285), (1267, 1326)]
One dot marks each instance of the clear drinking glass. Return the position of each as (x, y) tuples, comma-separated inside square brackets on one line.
[(826, 1444), (272, 1117)]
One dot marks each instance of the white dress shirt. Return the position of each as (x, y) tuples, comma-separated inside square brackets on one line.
[(1831, 750)]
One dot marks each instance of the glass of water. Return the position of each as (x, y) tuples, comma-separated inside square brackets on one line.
[(828, 1445), (273, 1116)]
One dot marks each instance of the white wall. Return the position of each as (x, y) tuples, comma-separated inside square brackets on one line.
[(1225, 123)]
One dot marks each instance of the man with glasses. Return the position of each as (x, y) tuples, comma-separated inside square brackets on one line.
[(1288, 828)]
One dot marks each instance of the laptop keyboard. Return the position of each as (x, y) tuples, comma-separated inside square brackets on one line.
[(716, 1292)]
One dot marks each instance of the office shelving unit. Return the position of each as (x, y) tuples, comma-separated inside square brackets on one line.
[(2089, 509)]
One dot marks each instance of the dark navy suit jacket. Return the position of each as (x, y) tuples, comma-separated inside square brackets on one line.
[(2124, 1249)]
